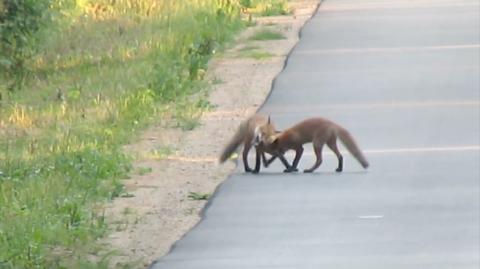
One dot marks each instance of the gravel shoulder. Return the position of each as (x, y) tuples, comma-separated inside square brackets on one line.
[(172, 163)]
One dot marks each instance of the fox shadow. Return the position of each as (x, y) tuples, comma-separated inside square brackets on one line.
[(301, 173)]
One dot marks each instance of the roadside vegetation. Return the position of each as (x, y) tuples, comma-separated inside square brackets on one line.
[(266, 34), (79, 79), (266, 8), (254, 52)]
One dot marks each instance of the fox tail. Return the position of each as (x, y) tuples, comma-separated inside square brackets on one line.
[(234, 143), (351, 145)]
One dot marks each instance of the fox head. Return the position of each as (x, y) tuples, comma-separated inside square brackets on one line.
[(266, 133)]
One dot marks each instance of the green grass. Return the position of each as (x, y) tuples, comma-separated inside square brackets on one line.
[(199, 196), (268, 7), (255, 54), (276, 8), (251, 51), (161, 152), (266, 34), (143, 170), (248, 48), (103, 74)]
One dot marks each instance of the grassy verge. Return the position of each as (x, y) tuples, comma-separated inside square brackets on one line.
[(266, 34), (253, 52), (107, 70), (267, 7)]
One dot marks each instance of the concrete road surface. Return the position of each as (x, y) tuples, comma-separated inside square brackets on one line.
[(403, 77)]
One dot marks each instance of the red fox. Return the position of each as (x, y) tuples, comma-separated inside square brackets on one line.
[(319, 131), (247, 134)]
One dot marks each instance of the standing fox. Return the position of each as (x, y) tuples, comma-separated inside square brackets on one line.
[(247, 134), (319, 131)]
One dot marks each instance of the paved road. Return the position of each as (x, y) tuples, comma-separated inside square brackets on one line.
[(403, 77)]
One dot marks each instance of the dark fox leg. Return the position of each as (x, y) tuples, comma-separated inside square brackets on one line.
[(332, 144), (298, 155), (258, 152), (285, 162), (318, 153), (246, 149), (266, 162)]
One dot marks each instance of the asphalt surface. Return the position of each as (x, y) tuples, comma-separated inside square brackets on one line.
[(403, 77)]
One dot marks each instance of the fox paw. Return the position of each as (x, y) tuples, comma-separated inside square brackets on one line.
[(290, 170)]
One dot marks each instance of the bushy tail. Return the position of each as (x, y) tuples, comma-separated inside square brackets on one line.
[(234, 143), (351, 145)]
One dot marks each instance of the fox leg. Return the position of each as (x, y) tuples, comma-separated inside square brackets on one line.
[(285, 162), (332, 144), (298, 155), (246, 149), (266, 162), (318, 153), (258, 152)]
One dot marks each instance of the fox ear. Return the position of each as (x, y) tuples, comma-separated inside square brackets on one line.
[(268, 121)]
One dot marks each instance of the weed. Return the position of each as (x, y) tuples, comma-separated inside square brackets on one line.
[(187, 122), (127, 195), (143, 170), (266, 34), (274, 8), (267, 7), (246, 3), (188, 113), (199, 196), (248, 48), (250, 21), (256, 54), (253, 52), (127, 211), (189, 211), (161, 152)]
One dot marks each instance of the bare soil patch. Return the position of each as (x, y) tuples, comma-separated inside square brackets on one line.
[(171, 163)]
